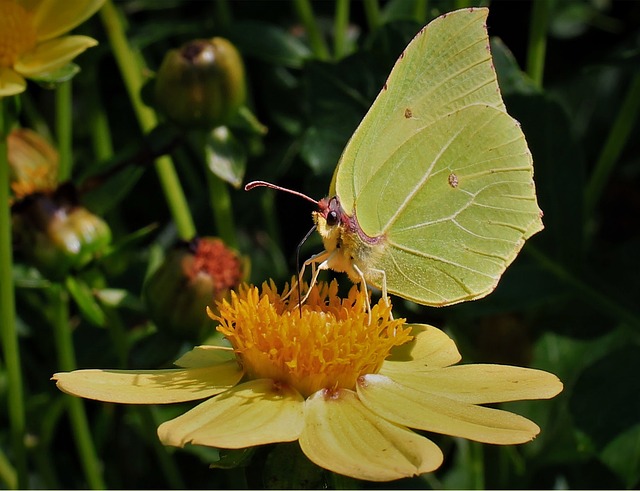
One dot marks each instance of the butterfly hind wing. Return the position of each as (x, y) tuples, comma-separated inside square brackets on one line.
[(458, 226)]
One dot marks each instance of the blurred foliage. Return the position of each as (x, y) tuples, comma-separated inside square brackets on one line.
[(570, 304)]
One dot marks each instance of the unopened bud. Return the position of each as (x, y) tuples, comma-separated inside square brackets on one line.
[(202, 84), (191, 278), (56, 235)]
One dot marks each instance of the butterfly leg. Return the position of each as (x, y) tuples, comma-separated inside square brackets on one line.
[(383, 282), (366, 289), (313, 260), (318, 262)]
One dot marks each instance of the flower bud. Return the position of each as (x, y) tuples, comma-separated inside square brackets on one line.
[(202, 84), (191, 278), (56, 235), (33, 163)]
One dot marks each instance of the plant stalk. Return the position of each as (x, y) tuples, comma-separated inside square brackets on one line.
[(64, 133), (538, 40), (616, 140), (75, 406), (132, 67), (9, 335)]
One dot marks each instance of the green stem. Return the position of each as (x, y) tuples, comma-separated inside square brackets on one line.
[(7, 472), (614, 145), (33, 118), (538, 40), (462, 4), (77, 415), (477, 465), (304, 10), (340, 26), (420, 11), (223, 13), (593, 296), (220, 200), (100, 132), (63, 129), (10, 346), (168, 465), (372, 13), (132, 67)]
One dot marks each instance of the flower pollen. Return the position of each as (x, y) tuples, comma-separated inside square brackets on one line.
[(326, 346), (17, 33)]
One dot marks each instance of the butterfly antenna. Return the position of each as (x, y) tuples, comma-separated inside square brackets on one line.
[(257, 184)]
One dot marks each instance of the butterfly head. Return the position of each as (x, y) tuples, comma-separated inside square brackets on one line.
[(330, 219)]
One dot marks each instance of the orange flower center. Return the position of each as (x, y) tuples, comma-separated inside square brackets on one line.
[(327, 346), (17, 33)]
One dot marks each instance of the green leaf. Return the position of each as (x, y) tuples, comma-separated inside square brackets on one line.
[(231, 458), (622, 456), (86, 302), (51, 79), (288, 468), (268, 43), (338, 96), (559, 171), (606, 398), (225, 157), (510, 78), (118, 298)]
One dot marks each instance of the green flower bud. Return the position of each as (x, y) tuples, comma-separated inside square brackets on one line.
[(56, 235), (192, 277), (202, 84)]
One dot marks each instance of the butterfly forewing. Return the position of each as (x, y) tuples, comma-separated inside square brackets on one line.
[(445, 67)]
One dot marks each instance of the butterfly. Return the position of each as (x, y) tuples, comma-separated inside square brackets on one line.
[(433, 196)]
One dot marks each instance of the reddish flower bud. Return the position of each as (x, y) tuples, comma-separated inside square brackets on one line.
[(191, 278)]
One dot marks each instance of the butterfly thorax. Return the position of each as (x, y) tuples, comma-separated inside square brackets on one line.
[(344, 239)]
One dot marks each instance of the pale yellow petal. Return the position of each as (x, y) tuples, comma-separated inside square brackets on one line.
[(11, 83), (206, 355), (254, 413), (430, 348), (53, 18), (480, 384), (432, 412), (150, 386), (51, 55), (342, 435)]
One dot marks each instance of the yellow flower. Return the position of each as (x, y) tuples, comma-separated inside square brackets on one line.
[(347, 389), (31, 38), (33, 163)]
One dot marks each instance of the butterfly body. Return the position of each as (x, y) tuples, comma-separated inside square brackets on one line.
[(348, 249)]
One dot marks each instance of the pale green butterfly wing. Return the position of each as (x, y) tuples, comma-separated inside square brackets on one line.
[(440, 169)]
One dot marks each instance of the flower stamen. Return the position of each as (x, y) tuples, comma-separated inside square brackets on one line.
[(329, 346)]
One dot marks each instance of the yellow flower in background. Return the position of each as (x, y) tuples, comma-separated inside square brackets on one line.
[(32, 41), (33, 163), (347, 389)]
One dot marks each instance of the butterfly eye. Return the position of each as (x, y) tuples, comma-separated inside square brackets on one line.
[(332, 218)]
